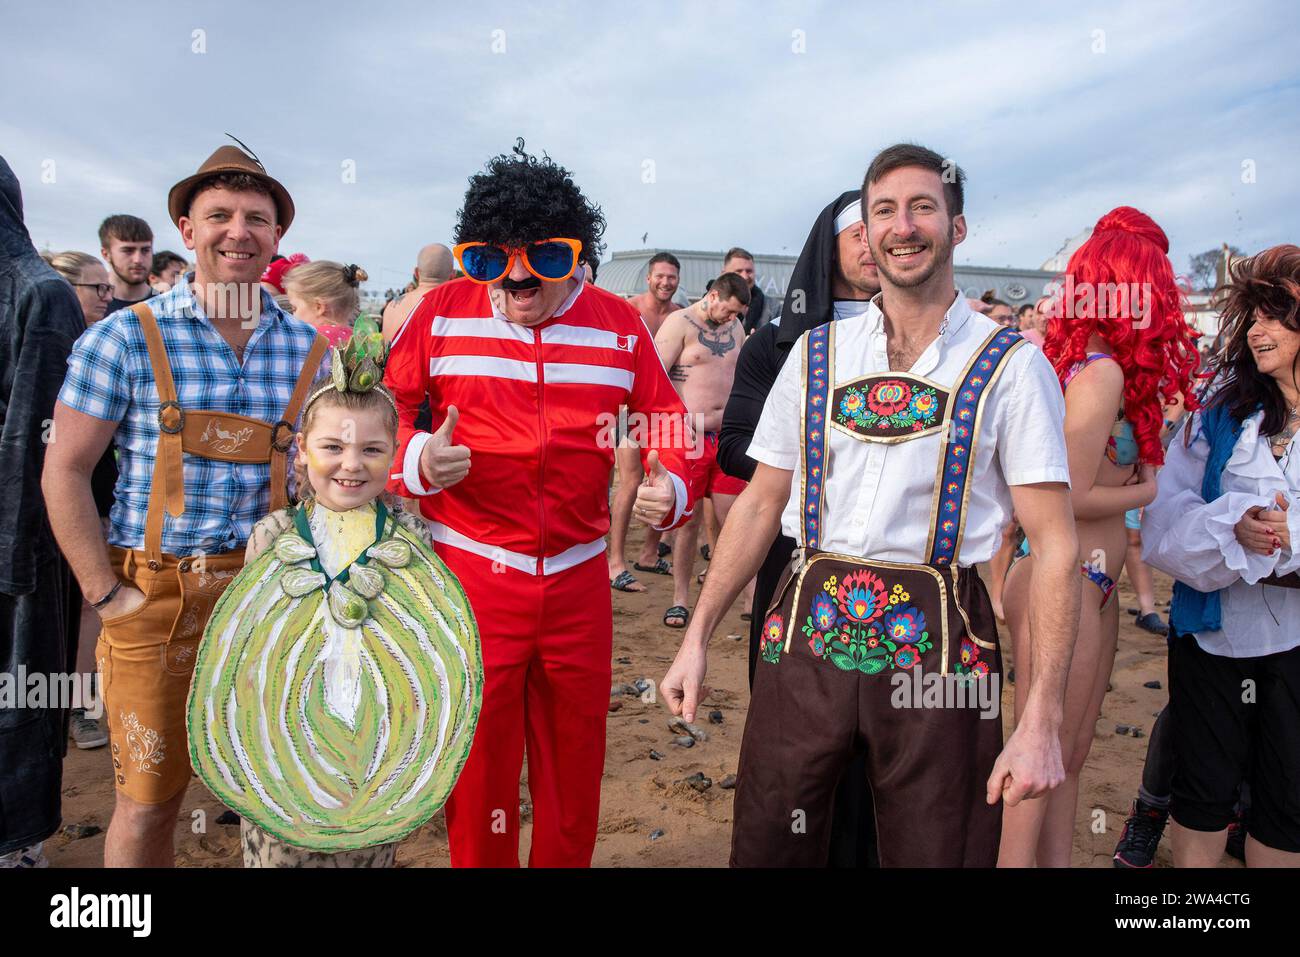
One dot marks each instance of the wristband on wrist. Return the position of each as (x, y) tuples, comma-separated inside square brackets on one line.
[(107, 598)]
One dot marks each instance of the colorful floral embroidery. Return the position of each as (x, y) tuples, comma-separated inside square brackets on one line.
[(861, 596), (888, 404), (860, 624), (959, 448), (769, 644), (814, 433), (970, 664)]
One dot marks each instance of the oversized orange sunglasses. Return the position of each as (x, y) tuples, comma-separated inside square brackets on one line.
[(551, 260)]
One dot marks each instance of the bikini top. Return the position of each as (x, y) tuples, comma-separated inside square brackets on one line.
[(1121, 447)]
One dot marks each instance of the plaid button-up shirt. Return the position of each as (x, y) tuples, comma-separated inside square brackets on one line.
[(110, 377)]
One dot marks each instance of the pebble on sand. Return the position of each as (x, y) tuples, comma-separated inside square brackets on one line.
[(78, 831), (685, 741), (682, 726), (715, 717), (728, 782), (655, 755), (656, 834), (1154, 684), (698, 781), (614, 704)]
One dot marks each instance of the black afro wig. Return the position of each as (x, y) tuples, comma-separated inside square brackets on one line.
[(520, 199)]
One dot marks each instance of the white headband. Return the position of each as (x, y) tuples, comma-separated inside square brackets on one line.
[(851, 215)]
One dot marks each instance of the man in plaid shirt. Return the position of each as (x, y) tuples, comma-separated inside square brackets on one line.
[(210, 369), (109, 369)]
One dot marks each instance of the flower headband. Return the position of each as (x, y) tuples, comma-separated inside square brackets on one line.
[(359, 365)]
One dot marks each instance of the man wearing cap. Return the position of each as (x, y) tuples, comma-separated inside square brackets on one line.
[(199, 387)]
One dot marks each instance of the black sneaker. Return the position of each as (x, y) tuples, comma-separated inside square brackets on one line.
[(1152, 623), (1137, 844)]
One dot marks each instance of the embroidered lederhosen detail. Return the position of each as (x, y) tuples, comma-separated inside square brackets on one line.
[(888, 407), (223, 436), (876, 616), (948, 513), (816, 389)]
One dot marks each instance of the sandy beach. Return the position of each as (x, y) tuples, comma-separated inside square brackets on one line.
[(642, 795)]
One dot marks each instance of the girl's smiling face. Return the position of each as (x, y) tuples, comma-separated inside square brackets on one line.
[(349, 454)]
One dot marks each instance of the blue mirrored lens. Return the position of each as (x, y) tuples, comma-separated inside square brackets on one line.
[(551, 260), (485, 263)]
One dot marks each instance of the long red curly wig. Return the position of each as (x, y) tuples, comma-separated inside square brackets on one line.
[(1120, 285)]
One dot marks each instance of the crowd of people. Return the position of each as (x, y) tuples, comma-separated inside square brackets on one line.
[(205, 457)]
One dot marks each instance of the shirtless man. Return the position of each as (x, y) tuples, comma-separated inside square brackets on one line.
[(699, 346), (433, 267), (655, 305)]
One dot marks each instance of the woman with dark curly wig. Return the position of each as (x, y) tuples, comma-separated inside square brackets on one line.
[(525, 366), (1123, 352), (1224, 524)]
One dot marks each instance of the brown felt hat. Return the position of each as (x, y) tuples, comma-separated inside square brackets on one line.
[(229, 159)]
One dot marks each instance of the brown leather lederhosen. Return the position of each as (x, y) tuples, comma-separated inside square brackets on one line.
[(848, 643), (146, 656)]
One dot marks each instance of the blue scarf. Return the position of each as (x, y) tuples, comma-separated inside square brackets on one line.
[(1193, 610)]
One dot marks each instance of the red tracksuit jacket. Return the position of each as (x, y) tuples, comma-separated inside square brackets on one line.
[(534, 404)]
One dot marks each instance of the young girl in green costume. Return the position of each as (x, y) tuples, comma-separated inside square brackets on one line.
[(339, 680)]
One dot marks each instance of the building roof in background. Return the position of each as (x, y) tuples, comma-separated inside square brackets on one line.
[(625, 274)]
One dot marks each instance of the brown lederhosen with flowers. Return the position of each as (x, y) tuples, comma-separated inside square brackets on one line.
[(849, 644), (146, 656)]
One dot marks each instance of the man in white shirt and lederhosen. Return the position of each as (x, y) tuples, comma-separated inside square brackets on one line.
[(893, 448)]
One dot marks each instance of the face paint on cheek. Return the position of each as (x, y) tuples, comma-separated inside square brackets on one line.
[(379, 471)]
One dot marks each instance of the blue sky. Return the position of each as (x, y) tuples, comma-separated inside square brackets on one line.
[(752, 115)]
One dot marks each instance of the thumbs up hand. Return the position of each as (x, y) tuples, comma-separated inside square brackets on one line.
[(443, 464), (656, 497)]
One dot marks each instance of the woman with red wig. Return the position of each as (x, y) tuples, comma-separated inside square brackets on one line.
[(1118, 340)]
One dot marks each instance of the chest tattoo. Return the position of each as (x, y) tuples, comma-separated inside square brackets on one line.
[(718, 343)]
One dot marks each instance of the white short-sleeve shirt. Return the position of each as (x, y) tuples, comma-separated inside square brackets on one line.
[(877, 496)]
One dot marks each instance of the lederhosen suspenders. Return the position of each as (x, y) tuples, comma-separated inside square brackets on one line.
[(223, 436), (875, 616)]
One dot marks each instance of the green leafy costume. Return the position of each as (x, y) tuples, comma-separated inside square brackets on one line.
[(339, 680)]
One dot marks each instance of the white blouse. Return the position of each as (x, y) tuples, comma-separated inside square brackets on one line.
[(1192, 540), (877, 495)]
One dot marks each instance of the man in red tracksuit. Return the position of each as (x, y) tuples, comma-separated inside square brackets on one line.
[(524, 366)]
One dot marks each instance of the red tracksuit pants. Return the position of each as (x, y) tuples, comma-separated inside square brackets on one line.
[(546, 659)]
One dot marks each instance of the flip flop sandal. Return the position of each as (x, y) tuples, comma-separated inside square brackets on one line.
[(746, 616), (665, 549), (660, 567), (677, 612), (623, 580)]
